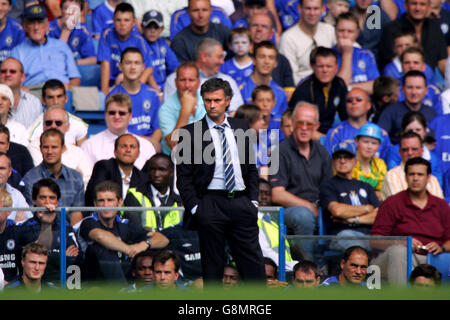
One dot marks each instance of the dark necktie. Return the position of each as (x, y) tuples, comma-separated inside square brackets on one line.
[(227, 163), (163, 200)]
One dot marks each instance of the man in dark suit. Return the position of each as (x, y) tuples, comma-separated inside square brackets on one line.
[(120, 169), (220, 192)]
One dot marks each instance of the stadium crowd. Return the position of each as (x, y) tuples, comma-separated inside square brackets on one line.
[(349, 101)]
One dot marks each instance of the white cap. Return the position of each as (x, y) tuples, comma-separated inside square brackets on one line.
[(6, 91)]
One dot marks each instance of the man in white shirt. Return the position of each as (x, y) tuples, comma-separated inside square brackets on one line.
[(117, 116)]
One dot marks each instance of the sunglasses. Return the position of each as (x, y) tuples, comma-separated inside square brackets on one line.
[(58, 123), (121, 113), (12, 71), (357, 99), (302, 124)]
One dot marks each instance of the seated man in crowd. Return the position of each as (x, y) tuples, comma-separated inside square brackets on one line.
[(303, 164), (354, 264), (323, 88), (385, 92), (108, 241), (166, 269), (230, 277), (425, 276), (306, 275), (69, 180), (44, 228), (120, 168), (44, 57), (349, 205), (411, 146), (117, 117), (398, 216), (142, 272)]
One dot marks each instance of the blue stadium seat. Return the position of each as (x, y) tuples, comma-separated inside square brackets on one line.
[(442, 263), (90, 75)]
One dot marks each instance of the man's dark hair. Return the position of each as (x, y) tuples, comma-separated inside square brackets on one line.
[(349, 251), (4, 129), (116, 142), (163, 156), (108, 185), (306, 266), (215, 84), (249, 112), (262, 180), (130, 50), (265, 44), (321, 52), (384, 86), (403, 32), (347, 16), (53, 84), (166, 255), (428, 271), (48, 183), (146, 253), (34, 247), (124, 7), (300, 2), (272, 263), (408, 135), (414, 73), (418, 160), (52, 132), (416, 50)]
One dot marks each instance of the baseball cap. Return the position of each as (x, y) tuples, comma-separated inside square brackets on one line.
[(344, 147), (35, 12), (370, 130), (153, 16)]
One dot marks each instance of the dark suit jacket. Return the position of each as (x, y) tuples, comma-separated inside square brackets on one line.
[(194, 175), (109, 170)]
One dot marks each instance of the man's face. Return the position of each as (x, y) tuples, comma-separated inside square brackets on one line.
[(310, 12), (187, 80), (343, 163), (355, 268), (403, 43), (410, 148), (10, 73), (338, 7), (367, 146), (357, 103), (123, 23), (36, 30), (216, 104), (107, 199), (265, 195), (34, 266), (5, 169), (240, 45), (54, 97), (261, 28), (230, 277), (51, 149), (4, 8), (347, 29), (152, 32), (415, 90), (199, 11), (325, 69), (265, 101), (4, 143), (417, 177), (144, 271), (412, 61), (305, 279), (5, 104), (160, 172), (46, 197), (417, 9), (117, 117), (71, 13), (127, 150), (165, 274), (214, 60), (270, 272), (265, 61), (132, 66), (56, 118), (305, 123)]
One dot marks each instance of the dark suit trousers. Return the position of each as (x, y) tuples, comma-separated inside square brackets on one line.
[(233, 220)]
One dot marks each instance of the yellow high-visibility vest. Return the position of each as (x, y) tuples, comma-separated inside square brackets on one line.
[(271, 231)]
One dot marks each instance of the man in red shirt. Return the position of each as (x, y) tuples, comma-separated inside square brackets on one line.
[(416, 213)]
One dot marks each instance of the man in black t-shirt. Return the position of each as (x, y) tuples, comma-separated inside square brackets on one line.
[(109, 241), (349, 206)]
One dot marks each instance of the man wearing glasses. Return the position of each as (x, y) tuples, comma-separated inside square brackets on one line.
[(117, 117), (303, 164)]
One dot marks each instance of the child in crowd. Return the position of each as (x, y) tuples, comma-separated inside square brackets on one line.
[(286, 123), (164, 60), (335, 8), (241, 65)]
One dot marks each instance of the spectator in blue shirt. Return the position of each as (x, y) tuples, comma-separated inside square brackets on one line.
[(102, 17), (164, 60), (288, 12), (74, 33), (114, 41), (145, 100), (11, 31)]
